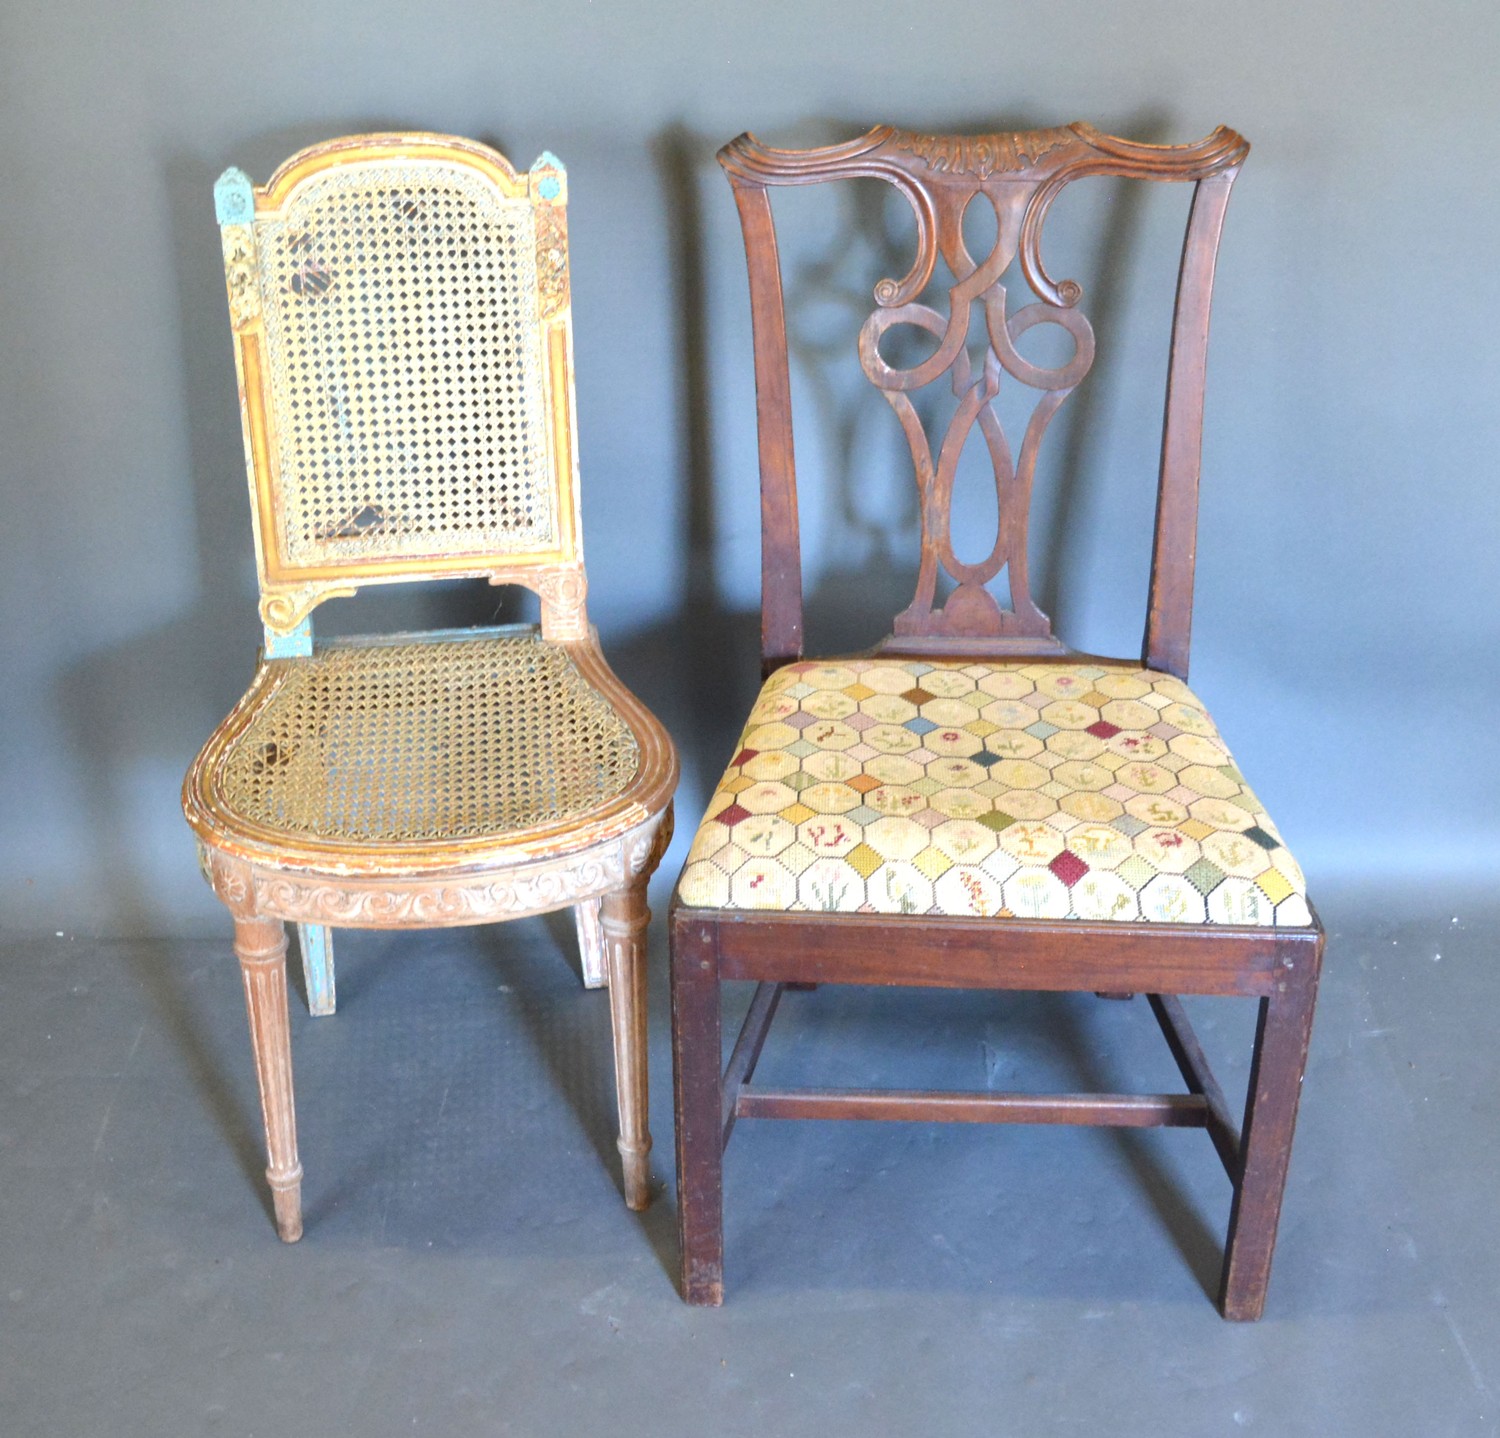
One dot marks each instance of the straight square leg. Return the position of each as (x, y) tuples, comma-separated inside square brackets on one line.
[(697, 1076), (316, 943), (591, 944), (1282, 1035)]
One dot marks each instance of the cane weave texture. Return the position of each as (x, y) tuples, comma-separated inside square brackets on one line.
[(1050, 791), (407, 742), (405, 354)]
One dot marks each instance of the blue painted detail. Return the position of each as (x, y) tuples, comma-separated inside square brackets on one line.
[(549, 186), (234, 198), (296, 645), (919, 725), (316, 941)]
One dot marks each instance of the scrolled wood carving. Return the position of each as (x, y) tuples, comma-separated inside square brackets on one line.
[(1018, 175), (240, 274), (982, 155), (552, 259), (645, 846), (284, 609), (926, 168), (443, 903)]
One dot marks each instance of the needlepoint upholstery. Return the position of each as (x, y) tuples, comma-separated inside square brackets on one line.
[(989, 789)]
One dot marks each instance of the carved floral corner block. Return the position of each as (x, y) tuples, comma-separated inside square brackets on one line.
[(232, 881), (563, 592)]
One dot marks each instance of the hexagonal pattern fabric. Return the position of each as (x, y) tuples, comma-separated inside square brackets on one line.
[(1034, 790)]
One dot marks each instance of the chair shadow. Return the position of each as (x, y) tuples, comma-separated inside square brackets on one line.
[(589, 1088), (1200, 1249)]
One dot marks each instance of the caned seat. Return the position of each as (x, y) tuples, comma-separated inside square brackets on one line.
[(989, 790), (403, 340), (387, 751), (970, 804)]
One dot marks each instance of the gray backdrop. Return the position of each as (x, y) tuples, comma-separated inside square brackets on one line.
[(1347, 599)]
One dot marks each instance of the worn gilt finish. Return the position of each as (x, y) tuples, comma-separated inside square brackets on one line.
[(760, 901), (299, 208), (414, 781)]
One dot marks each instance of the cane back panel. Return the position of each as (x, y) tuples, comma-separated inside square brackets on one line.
[(400, 308)]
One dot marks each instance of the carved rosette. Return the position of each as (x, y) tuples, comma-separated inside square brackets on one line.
[(240, 274), (551, 259), (564, 614), (232, 882)]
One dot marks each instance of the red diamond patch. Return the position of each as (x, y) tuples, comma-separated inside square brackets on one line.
[(1068, 867), (1103, 729)]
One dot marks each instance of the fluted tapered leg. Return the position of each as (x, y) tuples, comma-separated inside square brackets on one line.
[(591, 944), (260, 946), (624, 919)]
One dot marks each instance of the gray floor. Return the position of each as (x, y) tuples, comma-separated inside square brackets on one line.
[(469, 1267)]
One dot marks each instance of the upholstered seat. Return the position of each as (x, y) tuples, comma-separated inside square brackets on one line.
[(1047, 791), (446, 744)]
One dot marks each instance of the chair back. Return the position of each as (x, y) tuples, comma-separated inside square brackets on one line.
[(403, 338), (1019, 175)]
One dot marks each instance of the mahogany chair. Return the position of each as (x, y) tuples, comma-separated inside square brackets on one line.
[(969, 805), (403, 337)]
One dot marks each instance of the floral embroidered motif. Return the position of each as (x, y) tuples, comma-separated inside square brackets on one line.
[(1039, 790)]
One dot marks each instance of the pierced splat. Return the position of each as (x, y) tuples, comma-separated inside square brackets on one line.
[(1018, 175), (971, 611)]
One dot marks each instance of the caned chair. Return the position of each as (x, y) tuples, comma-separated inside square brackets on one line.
[(403, 338), (970, 805)]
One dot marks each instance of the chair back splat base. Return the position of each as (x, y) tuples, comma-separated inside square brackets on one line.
[(403, 339), (970, 805)]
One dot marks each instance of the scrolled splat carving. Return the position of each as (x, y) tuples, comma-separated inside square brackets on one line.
[(1018, 175), (972, 612)]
